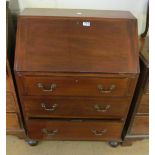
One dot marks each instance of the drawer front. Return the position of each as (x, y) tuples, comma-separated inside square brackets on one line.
[(140, 125), (76, 107), (74, 130), (144, 104), (10, 103), (75, 86), (12, 121)]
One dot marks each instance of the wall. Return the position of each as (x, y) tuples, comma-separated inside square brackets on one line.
[(137, 7)]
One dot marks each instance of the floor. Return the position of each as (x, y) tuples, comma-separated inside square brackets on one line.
[(17, 146)]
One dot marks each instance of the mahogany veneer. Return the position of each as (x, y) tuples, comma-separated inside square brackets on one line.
[(71, 130), (76, 73)]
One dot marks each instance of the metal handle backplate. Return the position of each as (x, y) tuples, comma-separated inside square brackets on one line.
[(45, 88), (52, 107), (98, 132), (105, 91), (49, 132), (101, 108)]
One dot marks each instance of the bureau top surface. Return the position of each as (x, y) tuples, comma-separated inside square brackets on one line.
[(91, 41), (77, 13)]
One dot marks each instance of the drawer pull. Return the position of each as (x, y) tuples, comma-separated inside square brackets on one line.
[(102, 90), (101, 108), (49, 133), (50, 88), (98, 133), (53, 107)]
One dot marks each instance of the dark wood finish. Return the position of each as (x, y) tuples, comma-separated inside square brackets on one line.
[(71, 67), (73, 47), (75, 86), (75, 107), (74, 130)]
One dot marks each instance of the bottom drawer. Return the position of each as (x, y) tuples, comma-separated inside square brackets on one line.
[(12, 121), (140, 125), (74, 130)]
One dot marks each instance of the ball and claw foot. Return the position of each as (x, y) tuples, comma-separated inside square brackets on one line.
[(32, 142), (114, 144)]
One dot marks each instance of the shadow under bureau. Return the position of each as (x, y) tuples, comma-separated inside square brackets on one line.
[(76, 72)]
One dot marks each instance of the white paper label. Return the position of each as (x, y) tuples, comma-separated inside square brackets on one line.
[(86, 23)]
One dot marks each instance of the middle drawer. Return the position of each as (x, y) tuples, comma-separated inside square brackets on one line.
[(74, 107)]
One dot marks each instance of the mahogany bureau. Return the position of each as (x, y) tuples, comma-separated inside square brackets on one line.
[(76, 72)]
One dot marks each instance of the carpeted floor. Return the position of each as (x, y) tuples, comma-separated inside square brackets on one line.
[(17, 146)]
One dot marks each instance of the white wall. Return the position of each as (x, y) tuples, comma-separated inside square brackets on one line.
[(137, 7)]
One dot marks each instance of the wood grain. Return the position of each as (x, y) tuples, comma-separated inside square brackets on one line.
[(75, 86), (72, 63), (70, 130), (73, 47), (74, 107)]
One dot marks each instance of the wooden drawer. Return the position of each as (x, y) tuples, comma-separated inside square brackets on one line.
[(76, 107), (10, 103), (12, 121), (144, 104), (74, 130), (75, 86), (140, 125)]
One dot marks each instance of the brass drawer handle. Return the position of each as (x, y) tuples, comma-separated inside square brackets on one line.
[(98, 133), (50, 88), (102, 90), (53, 107), (49, 133), (102, 108)]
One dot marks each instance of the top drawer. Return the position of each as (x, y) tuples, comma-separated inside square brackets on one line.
[(75, 86)]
